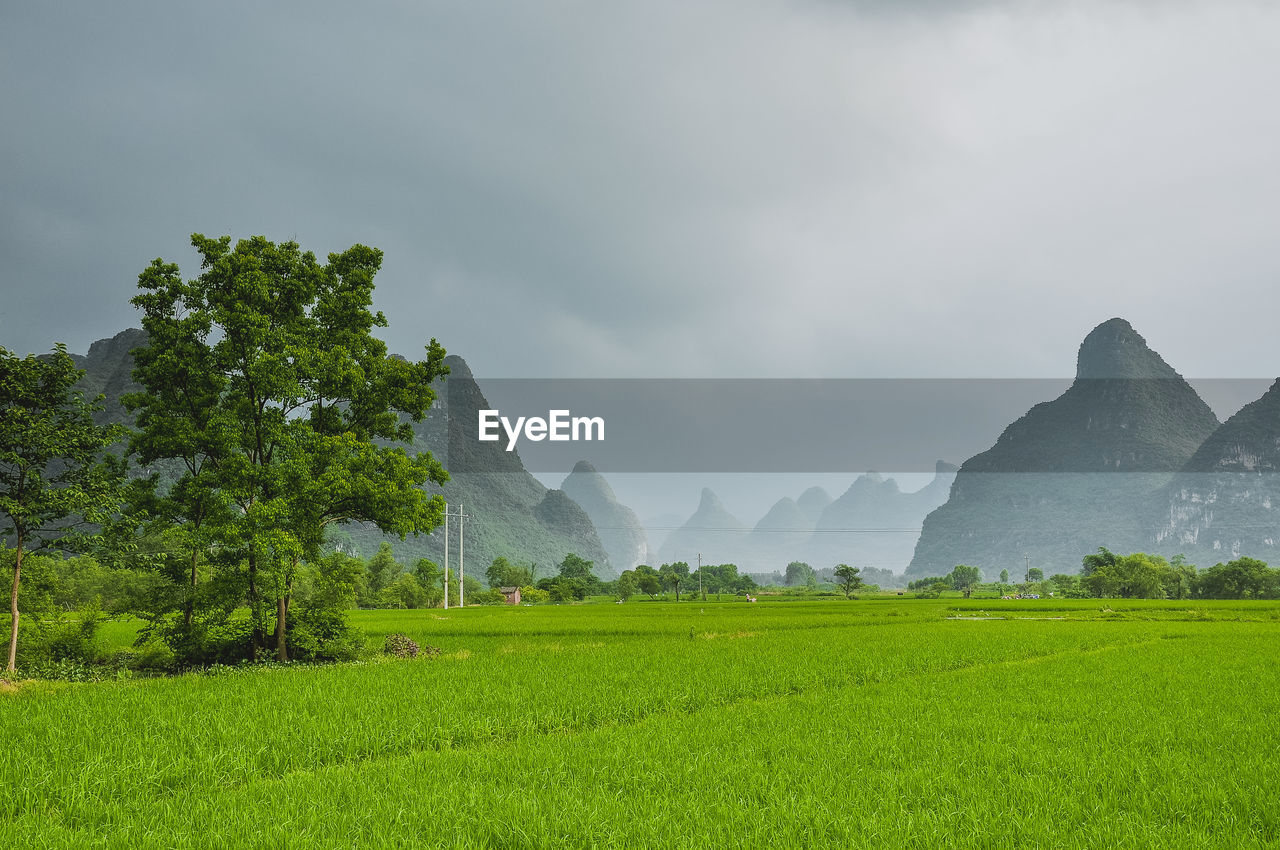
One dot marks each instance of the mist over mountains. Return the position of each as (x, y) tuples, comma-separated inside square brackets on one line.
[(1222, 503), (1128, 457), (1100, 466), (872, 524)]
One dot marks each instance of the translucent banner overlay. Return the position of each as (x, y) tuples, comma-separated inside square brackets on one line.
[(813, 425)]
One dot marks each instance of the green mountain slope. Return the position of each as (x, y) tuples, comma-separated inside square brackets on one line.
[(1226, 501), (509, 512), (1074, 473)]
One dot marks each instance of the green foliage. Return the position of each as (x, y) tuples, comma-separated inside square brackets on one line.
[(1138, 575), (263, 377), (849, 579), (648, 580), (383, 570), (54, 470), (503, 573), (1243, 578), (800, 573), (965, 579), (430, 578), (628, 586), (534, 595), (1068, 586)]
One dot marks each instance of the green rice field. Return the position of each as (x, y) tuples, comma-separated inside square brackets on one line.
[(868, 723)]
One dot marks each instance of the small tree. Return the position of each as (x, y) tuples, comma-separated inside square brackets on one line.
[(53, 467), (503, 573), (798, 572), (627, 585), (1035, 574), (849, 579), (649, 580), (431, 577), (672, 575), (965, 579)]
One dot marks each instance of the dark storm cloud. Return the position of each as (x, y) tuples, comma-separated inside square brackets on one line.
[(813, 188)]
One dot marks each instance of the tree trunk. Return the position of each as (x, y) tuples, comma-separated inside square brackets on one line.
[(13, 608), (189, 614), (282, 612), (259, 636)]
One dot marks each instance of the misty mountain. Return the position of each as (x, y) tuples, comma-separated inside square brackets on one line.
[(1074, 473), (777, 538), (874, 523), (813, 502), (509, 512), (711, 531), (620, 532), (1224, 502)]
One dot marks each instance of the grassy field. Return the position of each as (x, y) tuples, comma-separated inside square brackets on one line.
[(866, 723)]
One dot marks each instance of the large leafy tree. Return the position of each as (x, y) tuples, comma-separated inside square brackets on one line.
[(54, 471), (294, 408)]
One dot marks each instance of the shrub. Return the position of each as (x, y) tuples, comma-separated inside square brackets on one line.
[(533, 594), (401, 646)]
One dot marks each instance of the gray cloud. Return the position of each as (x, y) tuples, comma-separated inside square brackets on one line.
[(719, 189)]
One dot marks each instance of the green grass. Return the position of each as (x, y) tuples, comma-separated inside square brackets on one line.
[(870, 723)]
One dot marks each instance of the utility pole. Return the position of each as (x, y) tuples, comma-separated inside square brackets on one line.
[(462, 569), (701, 592), (1026, 557)]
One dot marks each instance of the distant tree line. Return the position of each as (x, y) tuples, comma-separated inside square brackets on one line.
[(1105, 574)]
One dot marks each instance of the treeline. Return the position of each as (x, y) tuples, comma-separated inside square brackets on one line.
[(1139, 575)]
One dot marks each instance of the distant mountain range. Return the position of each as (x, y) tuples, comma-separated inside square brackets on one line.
[(1129, 457), (872, 524), (620, 531), (509, 512)]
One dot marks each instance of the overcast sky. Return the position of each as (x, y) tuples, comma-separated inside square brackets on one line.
[(825, 189)]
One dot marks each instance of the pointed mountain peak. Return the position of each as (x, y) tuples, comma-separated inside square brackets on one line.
[(1115, 350), (585, 485), (813, 502), (710, 501), (785, 515), (458, 367)]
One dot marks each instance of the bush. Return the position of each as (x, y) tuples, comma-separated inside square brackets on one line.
[(323, 635), (533, 594), (154, 657), (57, 638), (400, 646), (487, 597)]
